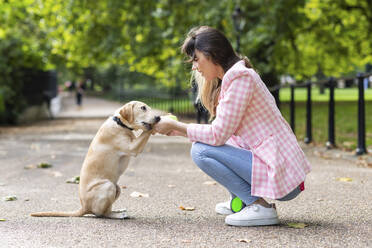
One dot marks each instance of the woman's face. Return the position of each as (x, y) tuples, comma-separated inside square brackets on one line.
[(205, 66)]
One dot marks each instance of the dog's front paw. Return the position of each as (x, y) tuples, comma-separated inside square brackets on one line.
[(119, 210), (118, 215)]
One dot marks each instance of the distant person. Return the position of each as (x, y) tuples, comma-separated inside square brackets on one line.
[(249, 148), (80, 89), (70, 87), (67, 85), (365, 83), (201, 112)]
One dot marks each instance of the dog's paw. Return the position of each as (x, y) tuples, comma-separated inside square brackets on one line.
[(119, 210), (118, 215)]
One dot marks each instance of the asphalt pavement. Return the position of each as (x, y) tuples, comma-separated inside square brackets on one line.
[(334, 211)]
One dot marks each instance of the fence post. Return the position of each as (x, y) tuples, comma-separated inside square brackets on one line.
[(361, 149), (292, 108), (275, 93), (309, 136), (331, 115)]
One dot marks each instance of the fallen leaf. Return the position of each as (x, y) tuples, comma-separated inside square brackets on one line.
[(244, 240), (123, 187), (187, 208), (138, 194), (344, 179), (10, 198), (317, 153), (28, 167), (56, 173), (323, 155), (2, 219), (210, 183), (35, 147), (298, 225), (74, 180), (44, 165), (364, 163), (338, 155), (348, 143)]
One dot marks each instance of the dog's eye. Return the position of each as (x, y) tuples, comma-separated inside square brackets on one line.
[(143, 108)]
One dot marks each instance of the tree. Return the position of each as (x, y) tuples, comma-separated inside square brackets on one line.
[(334, 37), (296, 37)]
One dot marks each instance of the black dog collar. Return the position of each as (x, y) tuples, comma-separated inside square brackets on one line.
[(120, 123)]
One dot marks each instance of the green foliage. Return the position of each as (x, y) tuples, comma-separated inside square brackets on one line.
[(296, 37), (335, 39), (13, 62), (21, 46)]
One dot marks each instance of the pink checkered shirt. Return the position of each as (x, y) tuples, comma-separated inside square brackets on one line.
[(247, 117)]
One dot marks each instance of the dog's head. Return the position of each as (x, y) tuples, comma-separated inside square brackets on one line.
[(138, 115)]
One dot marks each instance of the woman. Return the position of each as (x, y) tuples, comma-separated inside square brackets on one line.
[(249, 148)]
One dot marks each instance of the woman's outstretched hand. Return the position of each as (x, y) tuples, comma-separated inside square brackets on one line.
[(165, 125), (170, 127)]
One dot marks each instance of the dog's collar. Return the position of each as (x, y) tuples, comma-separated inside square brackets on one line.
[(120, 123)]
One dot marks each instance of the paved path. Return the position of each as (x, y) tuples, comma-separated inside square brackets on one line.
[(91, 107), (337, 213)]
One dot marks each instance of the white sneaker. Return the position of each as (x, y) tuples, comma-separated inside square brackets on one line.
[(223, 208), (253, 215)]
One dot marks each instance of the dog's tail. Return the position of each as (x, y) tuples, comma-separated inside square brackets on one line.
[(77, 213)]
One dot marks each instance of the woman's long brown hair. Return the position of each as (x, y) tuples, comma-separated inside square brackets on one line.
[(216, 47)]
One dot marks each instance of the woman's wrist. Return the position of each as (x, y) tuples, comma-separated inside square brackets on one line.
[(181, 128)]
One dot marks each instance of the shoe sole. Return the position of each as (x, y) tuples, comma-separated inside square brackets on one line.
[(259, 222), (227, 212), (223, 211)]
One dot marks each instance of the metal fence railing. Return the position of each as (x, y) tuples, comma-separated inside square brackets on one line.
[(178, 105), (183, 106), (331, 84)]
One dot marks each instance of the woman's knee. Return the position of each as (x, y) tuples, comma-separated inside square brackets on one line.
[(199, 153)]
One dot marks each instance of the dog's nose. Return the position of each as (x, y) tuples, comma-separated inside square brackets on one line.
[(157, 119)]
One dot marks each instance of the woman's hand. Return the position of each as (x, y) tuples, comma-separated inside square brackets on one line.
[(165, 125), (168, 126)]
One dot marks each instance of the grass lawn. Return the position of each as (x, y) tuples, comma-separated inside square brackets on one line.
[(346, 122), (346, 115), (348, 94)]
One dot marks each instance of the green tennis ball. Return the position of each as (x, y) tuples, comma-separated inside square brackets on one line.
[(173, 117), (236, 204)]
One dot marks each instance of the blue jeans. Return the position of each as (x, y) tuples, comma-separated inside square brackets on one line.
[(232, 168)]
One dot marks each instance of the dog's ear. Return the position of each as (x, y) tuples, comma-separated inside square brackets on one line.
[(127, 112)]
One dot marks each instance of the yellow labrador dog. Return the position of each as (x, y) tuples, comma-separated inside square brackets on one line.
[(107, 159)]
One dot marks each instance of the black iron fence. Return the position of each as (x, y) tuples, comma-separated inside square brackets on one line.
[(182, 105), (331, 84)]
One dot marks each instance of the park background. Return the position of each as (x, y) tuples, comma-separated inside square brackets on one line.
[(126, 50)]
